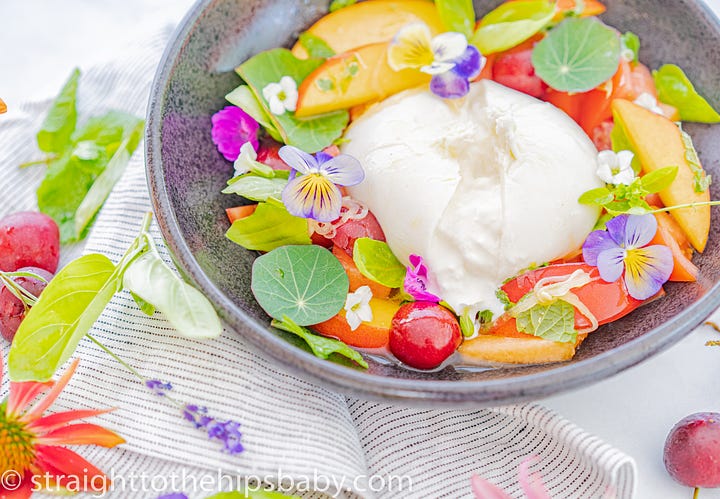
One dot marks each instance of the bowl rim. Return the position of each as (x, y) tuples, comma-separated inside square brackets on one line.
[(355, 382)]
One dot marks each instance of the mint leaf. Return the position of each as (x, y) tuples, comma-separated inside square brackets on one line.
[(658, 180), (60, 122), (246, 100), (315, 46), (320, 345), (305, 283), (269, 227), (676, 89), (631, 44), (375, 260), (310, 135), (511, 24), (255, 187), (340, 4), (554, 322), (578, 55), (600, 196), (457, 15)]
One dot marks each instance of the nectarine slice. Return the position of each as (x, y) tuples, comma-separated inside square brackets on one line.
[(531, 350), (356, 278), (373, 334)]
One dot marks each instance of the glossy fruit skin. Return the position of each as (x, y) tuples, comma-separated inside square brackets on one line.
[(424, 334), (352, 230), (692, 450), (12, 311), (515, 70), (29, 239)]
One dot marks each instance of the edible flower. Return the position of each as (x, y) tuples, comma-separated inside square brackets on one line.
[(447, 57), (530, 482), (312, 191), (623, 249), (231, 129), (616, 167), (649, 102), (416, 280), (281, 96), (31, 445), (357, 307), (246, 160)]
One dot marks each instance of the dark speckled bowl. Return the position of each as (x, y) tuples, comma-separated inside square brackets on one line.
[(186, 174)]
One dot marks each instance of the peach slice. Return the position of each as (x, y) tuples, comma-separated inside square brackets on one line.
[(373, 334), (356, 278), (528, 350)]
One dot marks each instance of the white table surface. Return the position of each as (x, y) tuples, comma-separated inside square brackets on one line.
[(42, 40)]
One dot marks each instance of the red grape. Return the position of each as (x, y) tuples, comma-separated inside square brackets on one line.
[(515, 70), (350, 231), (12, 310), (692, 450), (424, 334), (29, 239)]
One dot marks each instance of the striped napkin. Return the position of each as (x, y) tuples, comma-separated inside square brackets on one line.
[(296, 435)]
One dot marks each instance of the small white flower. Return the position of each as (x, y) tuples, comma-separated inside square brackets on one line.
[(649, 102), (246, 160), (616, 168), (281, 96), (445, 48), (357, 307)]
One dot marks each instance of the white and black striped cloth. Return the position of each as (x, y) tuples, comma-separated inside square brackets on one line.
[(292, 429)]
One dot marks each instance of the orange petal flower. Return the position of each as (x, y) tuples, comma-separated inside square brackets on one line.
[(31, 445)]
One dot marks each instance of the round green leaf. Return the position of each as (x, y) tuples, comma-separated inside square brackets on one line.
[(578, 55), (305, 283)]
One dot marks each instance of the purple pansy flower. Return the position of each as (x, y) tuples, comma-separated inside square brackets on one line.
[(312, 191), (416, 280), (231, 128), (623, 249)]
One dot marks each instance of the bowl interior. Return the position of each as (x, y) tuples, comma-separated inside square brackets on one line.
[(186, 175)]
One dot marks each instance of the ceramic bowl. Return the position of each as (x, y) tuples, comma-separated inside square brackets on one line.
[(186, 175)]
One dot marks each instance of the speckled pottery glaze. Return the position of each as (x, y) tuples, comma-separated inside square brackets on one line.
[(186, 175)]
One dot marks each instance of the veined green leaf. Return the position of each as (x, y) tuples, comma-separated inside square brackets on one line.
[(676, 89), (305, 283), (269, 227), (245, 99), (599, 196), (60, 122), (321, 346), (578, 55), (256, 188), (65, 312), (375, 260), (554, 322), (315, 46), (660, 179), (457, 15), (511, 24), (310, 135)]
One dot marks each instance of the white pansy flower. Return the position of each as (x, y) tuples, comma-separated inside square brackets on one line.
[(245, 160), (357, 307), (445, 48), (649, 102), (281, 96), (616, 168)]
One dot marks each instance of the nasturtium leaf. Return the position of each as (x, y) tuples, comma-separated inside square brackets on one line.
[(246, 100), (554, 322), (457, 15), (511, 24), (60, 122), (311, 134), (676, 89), (269, 227), (256, 188), (65, 312), (578, 55), (315, 46), (375, 260), (658, 180), (321, 346), (305, 283)]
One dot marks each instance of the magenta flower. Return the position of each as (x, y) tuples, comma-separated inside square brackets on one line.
[(312, 191), (231, 128), (416, 280), (623, 249)]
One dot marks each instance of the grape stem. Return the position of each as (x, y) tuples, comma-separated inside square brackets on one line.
[(696, 494)]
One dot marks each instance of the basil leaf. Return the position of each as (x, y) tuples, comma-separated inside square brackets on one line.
[(269, 227), (244, 98), (457, 15), (305, 283), (676, 89), (186, 308), (658, 180), (578, 55), (599, 196), (341, 4), (511, 24), (310, 135), (320, 345), (65, 312), (315, 46), (60, 122), (631, 43), (256, 188), (375, 260), (554, 322), (147, 308)]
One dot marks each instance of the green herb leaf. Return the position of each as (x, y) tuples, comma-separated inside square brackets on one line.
[(701, 180), (485, 317), (147, 308), (375, 260), (245, 99), (185, 307), (554, 322), (511, 24), (601, 224), (341, 4), (310, 135), (631, 43), (321, 346), (599, 196), (578, 55), (658, 180), (305, 283), (67, 309), (676, 89), (457, 15), (269, 227), (315, 46), (467, 324), (255, 187), (503, 298), (60, 122)]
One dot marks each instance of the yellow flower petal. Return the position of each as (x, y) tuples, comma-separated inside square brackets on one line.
[(411, 47)]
